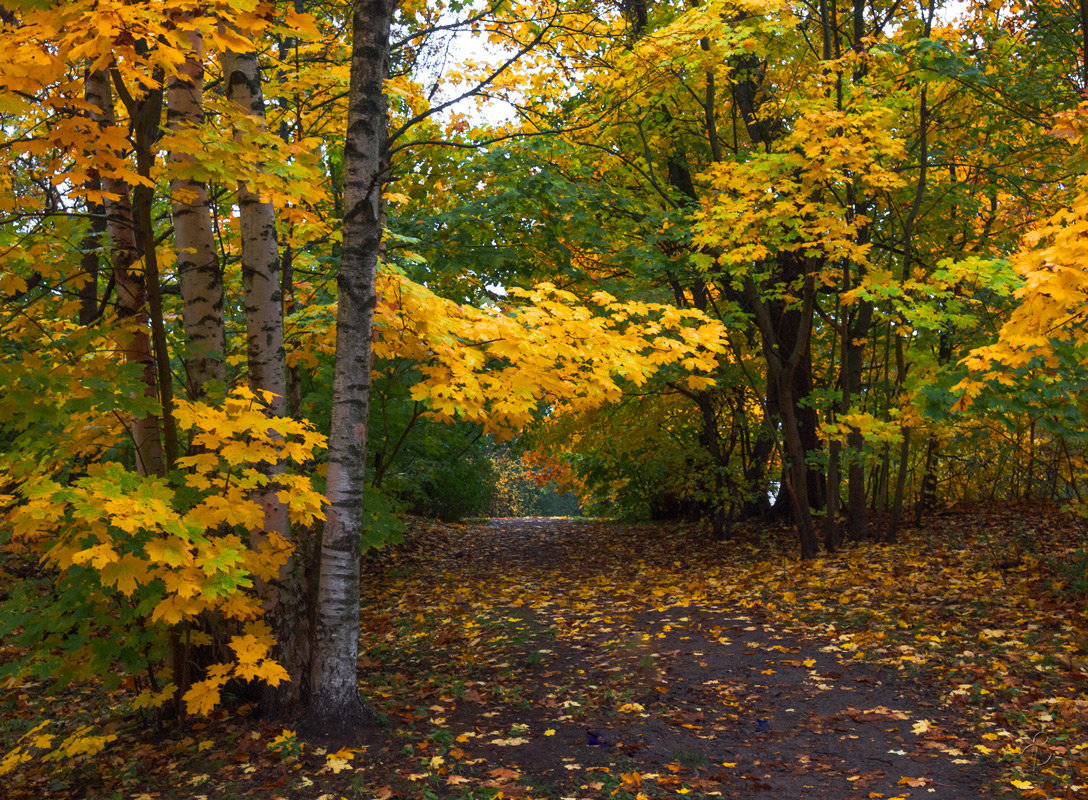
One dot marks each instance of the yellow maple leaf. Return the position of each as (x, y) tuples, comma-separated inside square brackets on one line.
[(249, 648), (271, 672), (203, 696), (171, 550), (240, 607), (98, 556), (185, 582), (126, 574), (174, 609)]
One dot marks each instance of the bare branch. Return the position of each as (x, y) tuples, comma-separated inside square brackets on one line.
[(477, 89)]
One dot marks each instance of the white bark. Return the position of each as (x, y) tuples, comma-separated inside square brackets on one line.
[(336, 709), (260, 251), (282, 599), (199, 275)]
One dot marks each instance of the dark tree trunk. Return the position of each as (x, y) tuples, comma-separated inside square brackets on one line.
[(927, 499), (832, 531), (782, 363), (129, 281), (90, 247), (853, 352)]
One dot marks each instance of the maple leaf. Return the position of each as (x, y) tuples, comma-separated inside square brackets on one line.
[(203, 696), (174, 609), (170, 550), (336, 765), (904, 781), (126, 574)]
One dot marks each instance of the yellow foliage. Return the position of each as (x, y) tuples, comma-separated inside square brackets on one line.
[(134, 535), (1054, 297), (499, 365), (787, 200), (149, 699), (203, 696), (872, 427)]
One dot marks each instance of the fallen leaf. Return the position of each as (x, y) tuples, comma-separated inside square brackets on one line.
[(511, 742)]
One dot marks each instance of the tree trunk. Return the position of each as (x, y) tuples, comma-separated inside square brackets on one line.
[(292, 106), (798, 468), (199, 274), (260, 251), (928, 497), (790, 327), (832, 532), (853, 350), (892, 532), (782, 363), (710, 439), (283, 599), (129, 282), (908, 255), (90, 247), (145, 113), (336, 710), (756, 482)]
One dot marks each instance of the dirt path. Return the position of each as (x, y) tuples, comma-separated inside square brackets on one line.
[(602, 679)]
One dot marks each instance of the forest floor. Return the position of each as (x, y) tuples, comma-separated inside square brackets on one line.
[(546, 658)]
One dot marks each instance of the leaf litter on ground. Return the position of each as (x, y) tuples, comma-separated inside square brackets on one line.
[(551, 658)]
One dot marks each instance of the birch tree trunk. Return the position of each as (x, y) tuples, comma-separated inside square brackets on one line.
[(336, 710), (129, 282), (199, 274), (283, 599), (260, 251)]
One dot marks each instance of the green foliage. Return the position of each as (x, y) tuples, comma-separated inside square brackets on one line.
[(69, 631), (554, 503), (1072, 572), (449, 490), (432, 484), (381, 525)]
